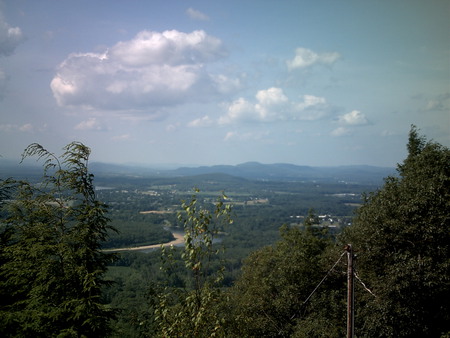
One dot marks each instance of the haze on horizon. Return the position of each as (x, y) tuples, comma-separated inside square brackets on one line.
[(321, 83)]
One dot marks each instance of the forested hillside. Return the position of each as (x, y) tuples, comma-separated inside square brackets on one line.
[(261, 258)]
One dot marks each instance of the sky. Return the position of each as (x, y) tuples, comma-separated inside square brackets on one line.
[(320, 83)]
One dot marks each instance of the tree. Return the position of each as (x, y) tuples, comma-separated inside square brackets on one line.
[(402, 240), (195, 312), (53, 265), (311, 219), (270, 299)]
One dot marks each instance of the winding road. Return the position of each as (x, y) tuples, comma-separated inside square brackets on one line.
[(179, 239)]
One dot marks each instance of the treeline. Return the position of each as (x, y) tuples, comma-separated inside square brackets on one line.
[(52, 276)]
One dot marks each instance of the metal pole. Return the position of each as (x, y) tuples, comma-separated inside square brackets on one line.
[(350, 292)]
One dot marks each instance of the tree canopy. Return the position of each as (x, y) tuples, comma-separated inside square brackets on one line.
[(52, 264), (402, 240), (271, 298)]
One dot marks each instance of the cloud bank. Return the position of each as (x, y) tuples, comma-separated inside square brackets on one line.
[(152, 69)]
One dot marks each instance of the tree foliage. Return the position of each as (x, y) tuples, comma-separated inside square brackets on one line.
[(194, 311), (270, 299), (52, 266), (402, 239), (52, 271), (311, 219)]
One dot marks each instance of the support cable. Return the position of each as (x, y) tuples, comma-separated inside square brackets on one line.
[(364, 285), (323, 279)]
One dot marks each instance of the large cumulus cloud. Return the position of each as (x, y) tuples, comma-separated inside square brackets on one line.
[(152, 69)]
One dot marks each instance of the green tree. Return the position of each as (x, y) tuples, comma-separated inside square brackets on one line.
[(311, 219), (402, 240), (270, 299), (53, 265), (195, 312)]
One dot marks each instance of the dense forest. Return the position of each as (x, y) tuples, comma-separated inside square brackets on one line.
[(260, 258)]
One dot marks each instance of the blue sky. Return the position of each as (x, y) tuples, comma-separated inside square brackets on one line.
[(225, 82)]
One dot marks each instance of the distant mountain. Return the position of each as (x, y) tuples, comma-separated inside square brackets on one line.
[(360, 174), (121, 169), (15, 169), (291, 172)]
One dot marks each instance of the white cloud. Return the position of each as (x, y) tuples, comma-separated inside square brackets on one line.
[(152, 69), (434, 105), (172, 127), (10, 37), (196, 15), (204, 121), (230, 135), (306, 58), (354, 118), (311, 101), (271, 96), (312, 108), (169, 47), (386, 133), (90, 124), (273, 105), (26, 128), (122, 137), (224, 84), (3, 82), (248, 136), (340, 131), (439, 103), (6, 127), (238, 110)]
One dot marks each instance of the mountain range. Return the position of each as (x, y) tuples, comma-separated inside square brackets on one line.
[(361, 174), (258, 171)]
